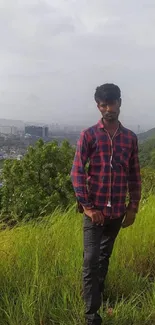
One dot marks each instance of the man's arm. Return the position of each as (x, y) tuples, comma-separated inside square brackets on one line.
[(78, 173), (134, 181)]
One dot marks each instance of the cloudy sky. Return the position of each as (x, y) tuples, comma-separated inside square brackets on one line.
[(53, 54)]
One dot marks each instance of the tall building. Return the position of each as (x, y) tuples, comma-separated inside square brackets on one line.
[(37, 131), (8, 130)]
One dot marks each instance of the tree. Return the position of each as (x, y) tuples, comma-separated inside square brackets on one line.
[(40, 182)]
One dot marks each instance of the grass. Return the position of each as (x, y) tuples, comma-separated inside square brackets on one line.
[(41, 270)]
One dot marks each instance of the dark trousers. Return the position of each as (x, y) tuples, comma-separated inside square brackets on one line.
[(98, 245)]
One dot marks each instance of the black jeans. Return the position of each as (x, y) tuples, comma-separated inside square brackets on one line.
[(98, 245)]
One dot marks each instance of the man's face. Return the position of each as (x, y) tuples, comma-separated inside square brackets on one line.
[(111, 110)]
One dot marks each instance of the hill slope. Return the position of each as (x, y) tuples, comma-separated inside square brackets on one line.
[(41, 265), (146, 135)]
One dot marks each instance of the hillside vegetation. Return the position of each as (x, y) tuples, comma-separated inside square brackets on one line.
[(146, 135), (37, 184), (147, 153), (41, 258), (41, 265)]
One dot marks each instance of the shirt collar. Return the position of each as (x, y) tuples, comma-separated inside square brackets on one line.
[(100, 125)]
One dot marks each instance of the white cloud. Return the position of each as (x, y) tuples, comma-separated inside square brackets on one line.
[(59, 51)]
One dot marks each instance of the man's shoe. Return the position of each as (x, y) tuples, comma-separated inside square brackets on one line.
[(96, 321)]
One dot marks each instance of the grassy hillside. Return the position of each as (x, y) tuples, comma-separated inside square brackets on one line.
[(41, 265)]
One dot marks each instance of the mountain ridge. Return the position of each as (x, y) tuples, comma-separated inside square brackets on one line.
[(144, 136)]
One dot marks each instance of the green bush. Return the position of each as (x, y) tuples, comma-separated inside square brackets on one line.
[(39, 183)]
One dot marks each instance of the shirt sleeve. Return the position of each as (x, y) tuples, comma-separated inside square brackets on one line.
[(134, 181), (78, 173)]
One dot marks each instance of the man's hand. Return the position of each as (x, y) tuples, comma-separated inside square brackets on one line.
[(129, 218), (96, 216)]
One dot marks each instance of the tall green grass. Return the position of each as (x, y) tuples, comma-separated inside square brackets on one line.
[(41, 272)]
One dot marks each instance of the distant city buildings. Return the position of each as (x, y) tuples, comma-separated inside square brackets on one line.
[(8, 130), (36, 131)]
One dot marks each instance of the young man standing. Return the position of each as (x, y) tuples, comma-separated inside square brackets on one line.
[(112, 153)]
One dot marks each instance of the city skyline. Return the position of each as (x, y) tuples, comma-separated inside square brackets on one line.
[(18, 124)]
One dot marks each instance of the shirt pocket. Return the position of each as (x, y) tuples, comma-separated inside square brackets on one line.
[(125, 155), (122, 157)]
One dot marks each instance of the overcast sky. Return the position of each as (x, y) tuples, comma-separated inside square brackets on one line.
[(53, 54)]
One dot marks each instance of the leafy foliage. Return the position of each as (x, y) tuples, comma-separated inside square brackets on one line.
[(39, 183), (147, 153)]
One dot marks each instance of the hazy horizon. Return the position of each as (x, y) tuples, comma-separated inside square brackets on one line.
[(55, 53)]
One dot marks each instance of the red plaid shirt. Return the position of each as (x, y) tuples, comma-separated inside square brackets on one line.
[(113, 170)]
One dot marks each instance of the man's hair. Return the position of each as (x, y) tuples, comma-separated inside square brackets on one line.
[(107, 93)]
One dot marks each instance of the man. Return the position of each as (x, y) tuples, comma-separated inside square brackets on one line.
[(112, 153)]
